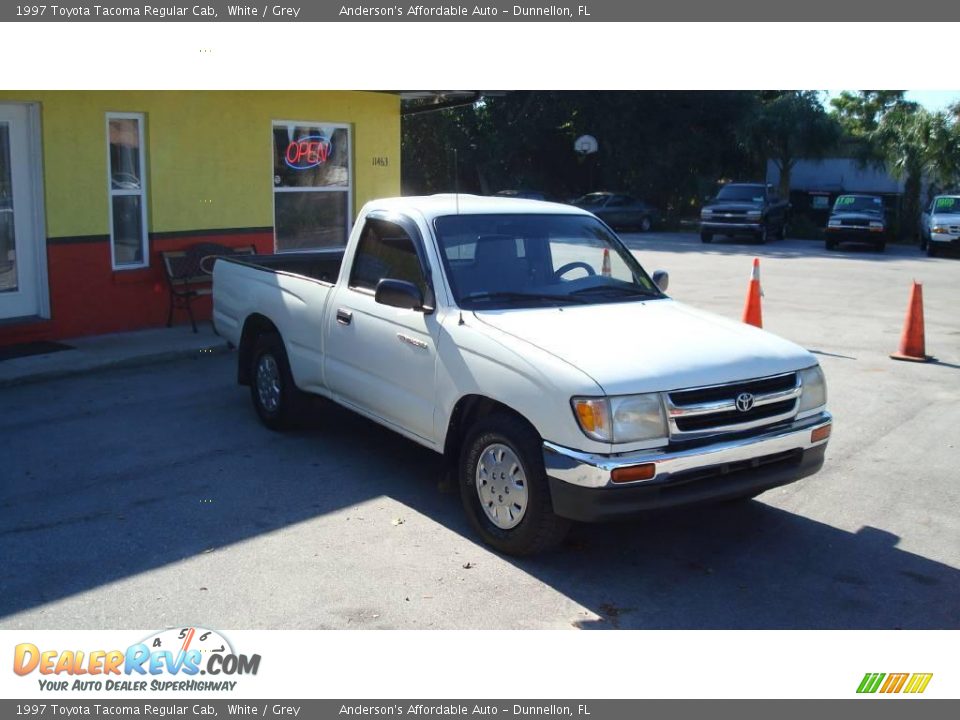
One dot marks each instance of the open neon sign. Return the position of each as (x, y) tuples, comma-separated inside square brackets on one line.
[(307, 152)]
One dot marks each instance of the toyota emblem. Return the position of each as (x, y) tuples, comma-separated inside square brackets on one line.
[(744, 402)]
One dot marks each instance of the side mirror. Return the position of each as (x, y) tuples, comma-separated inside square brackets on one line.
[(661, 278), (399, 294)]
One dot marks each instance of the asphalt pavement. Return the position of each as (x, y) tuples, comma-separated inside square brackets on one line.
[(147, 497)]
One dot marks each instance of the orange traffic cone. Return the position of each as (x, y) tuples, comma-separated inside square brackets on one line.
[(752, 314), (605, 268), (912, 342)]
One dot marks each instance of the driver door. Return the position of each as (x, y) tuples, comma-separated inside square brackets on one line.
[(381, 359)]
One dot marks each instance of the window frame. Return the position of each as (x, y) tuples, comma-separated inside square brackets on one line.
[(348, 190), (142, 192)]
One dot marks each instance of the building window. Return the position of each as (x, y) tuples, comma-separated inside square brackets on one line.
[(126, 180), (312, 185)]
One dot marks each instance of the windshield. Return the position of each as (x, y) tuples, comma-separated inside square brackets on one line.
[(498, 261), (741, 193), (947, 205), (858, 203), (591, 200)]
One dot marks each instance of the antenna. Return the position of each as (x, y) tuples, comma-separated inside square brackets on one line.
[(456, 181)]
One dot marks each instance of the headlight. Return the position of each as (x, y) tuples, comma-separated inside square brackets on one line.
[(626, 418), (834, 223), (876, 225), (754, 213), (706, 213), (814, 394), (938, 229)]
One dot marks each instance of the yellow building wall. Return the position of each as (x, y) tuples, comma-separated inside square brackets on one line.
[(209, 153)]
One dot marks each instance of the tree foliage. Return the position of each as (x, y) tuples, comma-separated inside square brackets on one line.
[(666, 147), (788, 127)]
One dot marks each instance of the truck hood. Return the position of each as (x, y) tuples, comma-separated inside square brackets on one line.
[(865, 216), (942, 219), (651, 346)]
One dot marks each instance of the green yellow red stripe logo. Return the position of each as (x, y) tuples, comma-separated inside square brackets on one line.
[(888, 683)]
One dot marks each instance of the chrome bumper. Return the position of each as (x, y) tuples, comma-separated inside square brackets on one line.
[(714, 225), (593, 471)]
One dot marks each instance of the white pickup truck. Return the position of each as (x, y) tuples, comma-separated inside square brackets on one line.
[(523, 341)]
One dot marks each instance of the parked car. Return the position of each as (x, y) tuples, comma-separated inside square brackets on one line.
[(940, 225), (620, 211), (858, 219), (524, 342), (751, 209)]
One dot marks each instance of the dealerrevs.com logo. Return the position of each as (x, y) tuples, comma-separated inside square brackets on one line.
[(889, 683), (167, 660)]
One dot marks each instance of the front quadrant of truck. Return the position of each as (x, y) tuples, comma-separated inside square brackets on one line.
[(524, 342)]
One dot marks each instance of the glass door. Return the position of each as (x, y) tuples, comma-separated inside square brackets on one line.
[(19, 281)]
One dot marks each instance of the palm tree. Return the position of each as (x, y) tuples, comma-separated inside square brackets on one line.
[(917, 144)]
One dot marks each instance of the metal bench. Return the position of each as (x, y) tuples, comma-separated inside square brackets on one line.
[(190, 274)]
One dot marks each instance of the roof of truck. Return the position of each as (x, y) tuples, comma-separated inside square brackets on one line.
[(434, 206)]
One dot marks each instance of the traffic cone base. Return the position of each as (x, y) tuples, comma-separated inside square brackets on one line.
[(912, 342)]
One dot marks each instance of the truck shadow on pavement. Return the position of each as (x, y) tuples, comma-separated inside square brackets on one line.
[(72, 522)]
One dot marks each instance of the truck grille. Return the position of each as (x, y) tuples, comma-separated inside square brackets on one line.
[(699, 412), (729, 218)]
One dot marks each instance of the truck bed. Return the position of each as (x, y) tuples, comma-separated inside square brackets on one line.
[(323, 265)]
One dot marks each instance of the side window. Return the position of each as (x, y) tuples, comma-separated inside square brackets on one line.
[(385, 251)]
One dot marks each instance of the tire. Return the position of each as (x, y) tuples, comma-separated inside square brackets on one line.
[(275, 396), (782, 232), (706, 237), (524, 524), (831, 244), (646, 225), (762, 236), (882, 246), (931, 250)]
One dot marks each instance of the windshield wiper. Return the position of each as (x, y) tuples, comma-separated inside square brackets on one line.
[(512, 295), (638, 291)]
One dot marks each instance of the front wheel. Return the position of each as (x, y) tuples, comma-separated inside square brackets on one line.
[(645, 224), (706, 237), (763, 235), (931, 250), (504, 488)]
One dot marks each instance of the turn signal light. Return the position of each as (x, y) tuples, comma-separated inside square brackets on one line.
[(634, 473), (821, 433)]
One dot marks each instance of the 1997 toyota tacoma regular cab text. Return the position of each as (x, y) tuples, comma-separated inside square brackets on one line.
[(523, 341)]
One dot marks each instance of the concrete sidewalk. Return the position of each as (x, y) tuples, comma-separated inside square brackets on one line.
[(104, 352)]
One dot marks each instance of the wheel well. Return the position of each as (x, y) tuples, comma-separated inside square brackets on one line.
[(254, 326), (466, 412)]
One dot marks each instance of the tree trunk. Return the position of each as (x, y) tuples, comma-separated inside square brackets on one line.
[(785, 173), (910, 219)]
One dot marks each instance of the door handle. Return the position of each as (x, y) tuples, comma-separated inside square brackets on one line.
[(344, 316)]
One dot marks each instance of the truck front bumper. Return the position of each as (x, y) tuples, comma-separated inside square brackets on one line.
[(582, 487)]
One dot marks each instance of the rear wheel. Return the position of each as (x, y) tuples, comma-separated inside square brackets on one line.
[(276, 398), (504, 488), (882, 246)]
